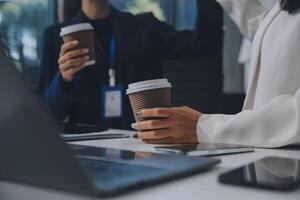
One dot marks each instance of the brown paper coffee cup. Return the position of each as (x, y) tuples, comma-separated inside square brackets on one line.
[(149, 94), (85, 35)]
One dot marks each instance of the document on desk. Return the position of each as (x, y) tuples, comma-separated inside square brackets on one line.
[(109, 134)]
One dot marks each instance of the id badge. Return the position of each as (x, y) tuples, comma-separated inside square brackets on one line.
[(112, 98)]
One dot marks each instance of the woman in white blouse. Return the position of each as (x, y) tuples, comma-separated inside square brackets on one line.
[(271, 114)]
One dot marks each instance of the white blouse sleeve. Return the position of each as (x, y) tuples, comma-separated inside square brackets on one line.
[(247, 14), (274, 125)]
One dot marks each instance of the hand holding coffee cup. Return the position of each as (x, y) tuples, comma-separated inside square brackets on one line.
[(72, 61), (78, 50), (156, 121)]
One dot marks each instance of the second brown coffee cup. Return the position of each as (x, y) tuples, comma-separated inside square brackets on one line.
[(149, 94), (84, 33)]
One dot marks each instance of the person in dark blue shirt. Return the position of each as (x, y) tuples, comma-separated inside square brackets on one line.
[(73, 91)]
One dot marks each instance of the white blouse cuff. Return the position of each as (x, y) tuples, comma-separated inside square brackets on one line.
[(203, 130)]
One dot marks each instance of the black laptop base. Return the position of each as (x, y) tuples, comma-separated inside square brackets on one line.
[(114, 172)]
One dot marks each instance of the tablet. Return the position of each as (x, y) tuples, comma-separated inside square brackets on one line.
[(204, 149)]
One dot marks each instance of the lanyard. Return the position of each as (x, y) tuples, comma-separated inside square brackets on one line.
[(113, 57), (111, 61)]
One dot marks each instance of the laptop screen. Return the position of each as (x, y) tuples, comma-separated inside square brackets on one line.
[(31, 150)]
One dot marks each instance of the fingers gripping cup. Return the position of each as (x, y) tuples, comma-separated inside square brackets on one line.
[(149, 94), (84, 33)]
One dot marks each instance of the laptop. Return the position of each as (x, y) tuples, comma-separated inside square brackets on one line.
[(32, 151), (205, 149)]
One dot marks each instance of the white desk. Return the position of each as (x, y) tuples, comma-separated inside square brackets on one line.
[(201, 186)]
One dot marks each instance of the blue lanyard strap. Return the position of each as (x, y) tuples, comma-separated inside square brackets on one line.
[(113, 52), (112, 61), (113, 57)]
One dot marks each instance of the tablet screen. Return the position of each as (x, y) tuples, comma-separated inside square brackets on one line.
[(270, 173)]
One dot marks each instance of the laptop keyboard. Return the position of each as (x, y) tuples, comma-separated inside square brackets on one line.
[(111, 176)]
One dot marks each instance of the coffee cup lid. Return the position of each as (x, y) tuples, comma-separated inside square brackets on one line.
[(75, 28), (148, 85)]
